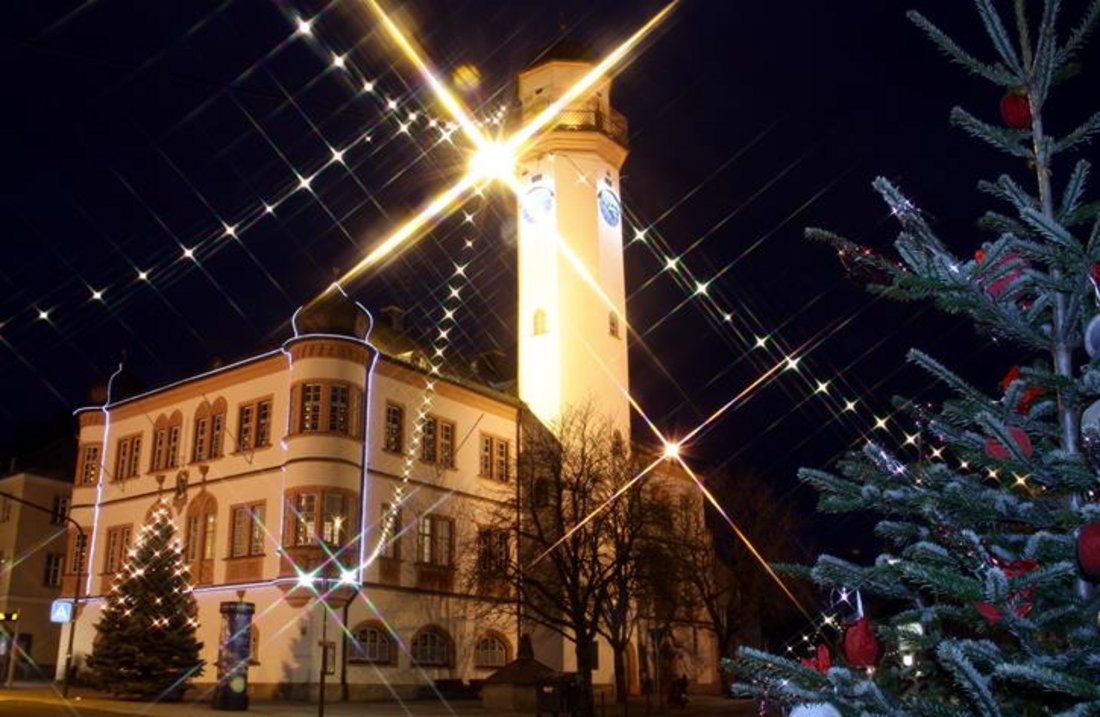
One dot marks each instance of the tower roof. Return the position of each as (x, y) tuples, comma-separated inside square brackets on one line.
[(567, 50), (332, 313)]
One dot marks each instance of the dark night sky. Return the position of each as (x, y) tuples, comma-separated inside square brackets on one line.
[(134, 128)]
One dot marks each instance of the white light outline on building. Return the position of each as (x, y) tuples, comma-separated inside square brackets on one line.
[(90, 547)]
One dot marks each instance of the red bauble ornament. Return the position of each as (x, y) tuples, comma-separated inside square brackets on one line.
[(1027, 397), (1088, 550), (821, 662), (998, 287), (861, 647), (1018, 600), (1016, 110), (995, 449), (1094, 274)]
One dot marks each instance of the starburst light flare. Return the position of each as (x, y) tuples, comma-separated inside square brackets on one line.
[(499, 152)]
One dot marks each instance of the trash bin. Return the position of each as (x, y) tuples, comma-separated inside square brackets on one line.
[(558, 695)]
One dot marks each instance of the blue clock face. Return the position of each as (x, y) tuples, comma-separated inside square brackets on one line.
[(538, 204), (609, 207)]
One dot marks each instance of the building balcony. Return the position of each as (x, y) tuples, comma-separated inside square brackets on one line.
[(611, 124)]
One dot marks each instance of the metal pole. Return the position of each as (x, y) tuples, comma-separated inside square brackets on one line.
[(13, 654), (81, 541), (324, 642)]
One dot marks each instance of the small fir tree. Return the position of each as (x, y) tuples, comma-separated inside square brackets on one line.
[(145, 646), (983, 600)]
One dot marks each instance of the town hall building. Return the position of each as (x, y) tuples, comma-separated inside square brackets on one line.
[(352, 463)]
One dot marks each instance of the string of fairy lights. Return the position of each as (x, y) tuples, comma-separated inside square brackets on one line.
[(740, 327)]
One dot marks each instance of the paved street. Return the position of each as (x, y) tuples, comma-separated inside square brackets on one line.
[(43, 701)]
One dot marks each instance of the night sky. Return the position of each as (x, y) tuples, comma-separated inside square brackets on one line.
[(135, 130)]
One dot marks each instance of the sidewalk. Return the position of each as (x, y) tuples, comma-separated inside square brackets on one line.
[(14, 701)]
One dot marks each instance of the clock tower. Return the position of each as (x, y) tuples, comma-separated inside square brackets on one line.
[(572, 299)]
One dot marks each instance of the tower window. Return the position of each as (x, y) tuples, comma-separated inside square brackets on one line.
[(613, 324), (539, 323)]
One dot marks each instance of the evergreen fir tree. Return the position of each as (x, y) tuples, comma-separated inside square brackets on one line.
[(145, 646), (983, 602)]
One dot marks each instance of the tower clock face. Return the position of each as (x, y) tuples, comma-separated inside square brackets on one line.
[(609, 207), (538, 204)]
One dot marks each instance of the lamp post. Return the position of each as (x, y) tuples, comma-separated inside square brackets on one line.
[(81, 541)]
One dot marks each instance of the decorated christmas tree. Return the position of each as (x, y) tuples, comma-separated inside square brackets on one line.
[(145, 646), (983, 601)]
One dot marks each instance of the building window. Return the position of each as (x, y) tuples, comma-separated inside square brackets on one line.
[(201, 534), (334, 518), (491, 651), (539, 322), (305, 518), (128, 459), (263, 424), (166, 442), (391, 532), (246, 420), (173, 446), (395, 428), (201, 449), (494, 461), (118, 544), (160, 443), (254, 425), (209, 431), (437, 442), (329, 510), (431, 647), (311, 408), (429, 431), (60, 509), (217, 434), (435, 540), (78, 551), (446, 444), (338, 408), (89, 464), (492, 552), (248, 531), (371, 643), (613, 324), (5, 510), (55, 563)]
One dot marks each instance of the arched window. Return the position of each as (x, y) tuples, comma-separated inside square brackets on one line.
[(539, 322), (167, 431), (202, 517), (491, 651), (370, 642), (431, 647), (209, 425), (613, 324)]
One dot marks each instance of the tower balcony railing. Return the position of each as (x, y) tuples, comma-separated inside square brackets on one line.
[(584, 119)]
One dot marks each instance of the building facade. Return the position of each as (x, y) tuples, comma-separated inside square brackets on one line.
[(351, 465), (32, 554)]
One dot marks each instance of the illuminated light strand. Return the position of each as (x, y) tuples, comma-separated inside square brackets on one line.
[(246, 220), (515, 141)]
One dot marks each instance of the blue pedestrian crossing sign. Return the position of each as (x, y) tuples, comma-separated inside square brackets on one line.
[(61, 611)]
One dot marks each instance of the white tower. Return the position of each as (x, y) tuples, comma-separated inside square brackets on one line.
[(572, 299)]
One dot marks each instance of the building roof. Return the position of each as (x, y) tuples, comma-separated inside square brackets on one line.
[(521, 671), (565, 49)]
